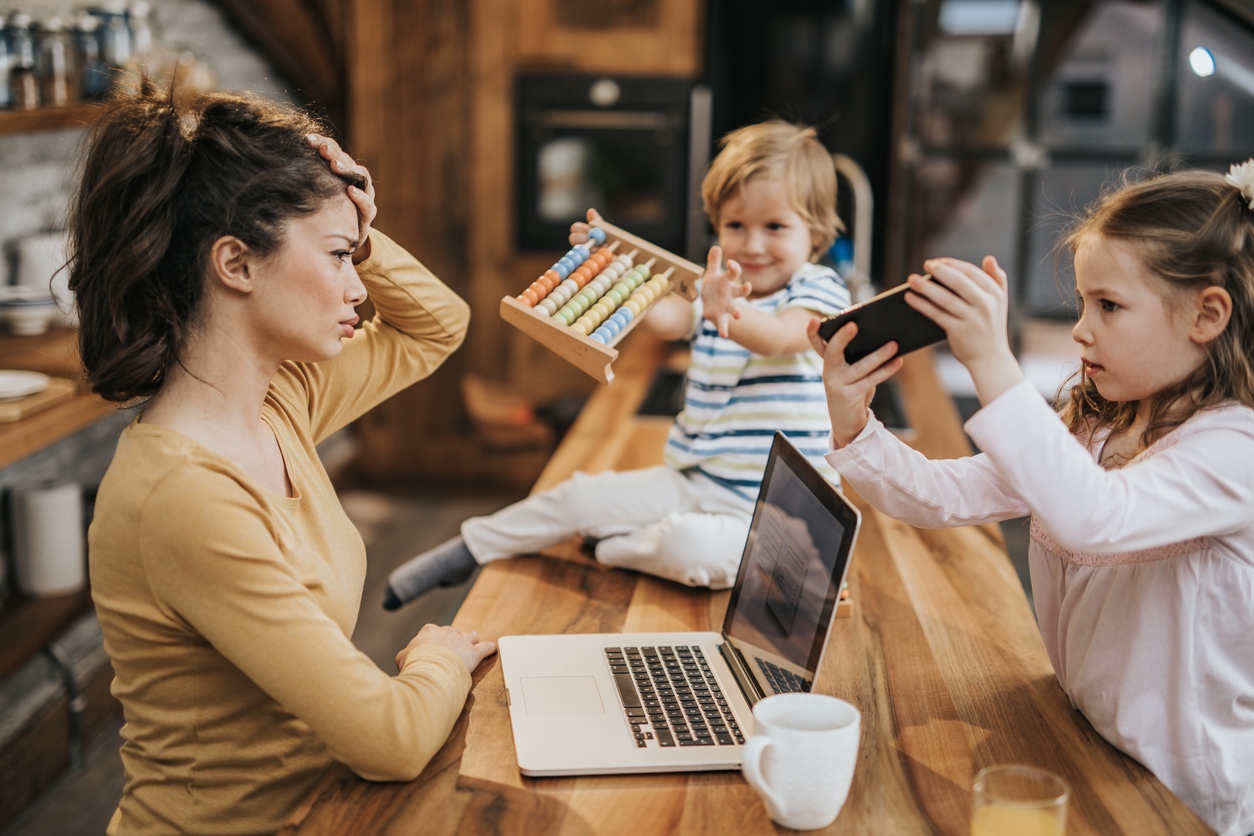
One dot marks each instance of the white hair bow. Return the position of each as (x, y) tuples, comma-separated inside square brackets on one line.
[(1242, 176)]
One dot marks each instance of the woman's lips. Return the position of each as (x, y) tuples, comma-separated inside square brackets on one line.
[(1089, 368), (347, 327)]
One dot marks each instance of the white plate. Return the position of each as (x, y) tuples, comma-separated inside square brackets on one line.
[(20, 384)]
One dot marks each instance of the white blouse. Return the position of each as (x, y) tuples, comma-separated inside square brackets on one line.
[(1143, 577)]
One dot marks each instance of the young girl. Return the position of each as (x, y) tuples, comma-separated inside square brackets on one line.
[(1142, 497), (219, 248), (771, 196)]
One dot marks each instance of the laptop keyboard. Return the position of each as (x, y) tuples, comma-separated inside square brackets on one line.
[(670, 695), (784, 682)]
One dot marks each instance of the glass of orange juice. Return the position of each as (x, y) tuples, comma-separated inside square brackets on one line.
[(1015, 800)]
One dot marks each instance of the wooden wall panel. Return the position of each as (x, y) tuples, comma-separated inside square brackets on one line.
[(430, 111)]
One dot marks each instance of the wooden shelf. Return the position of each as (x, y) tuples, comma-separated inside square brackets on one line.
[(47, 118), (54, 353)]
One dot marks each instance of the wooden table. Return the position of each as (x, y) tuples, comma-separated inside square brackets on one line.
[(942, 656)]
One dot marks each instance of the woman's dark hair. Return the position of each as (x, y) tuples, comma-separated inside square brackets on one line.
[(1191, 230), (163, 179)]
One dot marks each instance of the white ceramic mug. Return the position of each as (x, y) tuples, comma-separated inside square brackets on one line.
[(801, 757)]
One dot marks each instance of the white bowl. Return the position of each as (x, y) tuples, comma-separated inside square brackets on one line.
[(27, 310)]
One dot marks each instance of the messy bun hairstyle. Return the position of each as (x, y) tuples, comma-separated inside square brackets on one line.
[(1191, 230), (163, 179)]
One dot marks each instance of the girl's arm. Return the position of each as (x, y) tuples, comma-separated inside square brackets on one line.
[(887, 473), (1202, 485), (903, 483)]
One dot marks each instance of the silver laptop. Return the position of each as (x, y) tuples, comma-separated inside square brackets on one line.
[(678, 702)]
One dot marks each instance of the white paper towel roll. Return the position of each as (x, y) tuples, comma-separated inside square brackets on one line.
[(48, 539)]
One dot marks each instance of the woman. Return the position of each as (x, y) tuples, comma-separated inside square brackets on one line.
[(219, 247)]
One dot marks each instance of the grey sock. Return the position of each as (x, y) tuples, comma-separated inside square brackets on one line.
[(448, 564)]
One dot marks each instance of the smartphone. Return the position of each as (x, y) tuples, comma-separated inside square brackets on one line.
[(881, 319)]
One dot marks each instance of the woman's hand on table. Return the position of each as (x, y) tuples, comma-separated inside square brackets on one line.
[(850, 388), (466, 645), (363, 199)]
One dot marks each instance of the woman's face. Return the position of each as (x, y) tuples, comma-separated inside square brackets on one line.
[(306, 290)]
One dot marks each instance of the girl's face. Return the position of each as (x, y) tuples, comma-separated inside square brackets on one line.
[(1134, 341), (759, 228), (307, 288)]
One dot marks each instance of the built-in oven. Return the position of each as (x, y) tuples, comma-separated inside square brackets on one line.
[(633, 147)]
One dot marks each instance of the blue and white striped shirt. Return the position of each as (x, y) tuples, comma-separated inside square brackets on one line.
[(736, 400)]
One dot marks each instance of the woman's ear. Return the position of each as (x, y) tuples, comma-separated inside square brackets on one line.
[(1212, 310), (230, 263)]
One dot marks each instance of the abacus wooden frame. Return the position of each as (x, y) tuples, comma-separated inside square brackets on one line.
[(586, 353)]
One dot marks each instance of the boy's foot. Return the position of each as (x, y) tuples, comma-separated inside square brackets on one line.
[(448, 564)]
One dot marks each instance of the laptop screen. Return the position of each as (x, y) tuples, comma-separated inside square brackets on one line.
[(794, 561)]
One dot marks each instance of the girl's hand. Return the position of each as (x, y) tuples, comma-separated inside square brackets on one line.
[(973, 313), (342, 163), (466, 645), (850, 387), (719, 291), (579, 230)]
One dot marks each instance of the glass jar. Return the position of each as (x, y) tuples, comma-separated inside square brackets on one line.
[(93, 75), (53, 58), (115, 38), (23, 84), (5, 97)]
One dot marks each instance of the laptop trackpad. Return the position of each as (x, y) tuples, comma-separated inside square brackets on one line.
[(550, 696)]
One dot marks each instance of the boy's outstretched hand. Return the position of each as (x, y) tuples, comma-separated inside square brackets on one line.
[(850, 388), (719, 291)]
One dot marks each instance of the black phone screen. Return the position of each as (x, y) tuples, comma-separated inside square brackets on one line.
[(881, 319)]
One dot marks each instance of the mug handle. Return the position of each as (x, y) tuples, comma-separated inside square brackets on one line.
[(753, 772)]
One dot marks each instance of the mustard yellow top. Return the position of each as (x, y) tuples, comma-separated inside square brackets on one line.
[(227, 610)]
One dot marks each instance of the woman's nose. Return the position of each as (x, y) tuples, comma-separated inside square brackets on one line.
[(355, 292)]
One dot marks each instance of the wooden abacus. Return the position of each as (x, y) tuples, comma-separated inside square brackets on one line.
[(588, 301)]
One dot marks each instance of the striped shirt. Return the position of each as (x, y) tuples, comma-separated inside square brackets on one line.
[(736, 400)]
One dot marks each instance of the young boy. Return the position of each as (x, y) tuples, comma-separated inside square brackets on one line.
[(771, 196)]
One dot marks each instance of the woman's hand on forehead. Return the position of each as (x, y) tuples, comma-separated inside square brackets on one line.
[(363, 199)]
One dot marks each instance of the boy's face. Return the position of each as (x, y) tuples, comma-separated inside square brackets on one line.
[(759, 228)]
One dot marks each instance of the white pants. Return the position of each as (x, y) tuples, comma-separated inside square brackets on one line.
[(657, 520)]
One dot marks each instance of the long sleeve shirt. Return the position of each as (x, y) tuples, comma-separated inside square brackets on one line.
[(1142, 577), (227, 610)]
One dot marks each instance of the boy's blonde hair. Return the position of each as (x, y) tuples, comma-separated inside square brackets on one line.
[(794, 154)]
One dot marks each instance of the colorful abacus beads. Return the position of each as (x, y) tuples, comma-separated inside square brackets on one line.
[(561, 294), (583, 299), (600, 310), (632, 307), (565, 265)]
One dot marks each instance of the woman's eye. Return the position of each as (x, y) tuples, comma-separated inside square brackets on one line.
[(342, 254)]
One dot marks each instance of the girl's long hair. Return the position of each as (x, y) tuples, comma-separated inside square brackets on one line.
[(1192, 230), (163, 179)]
